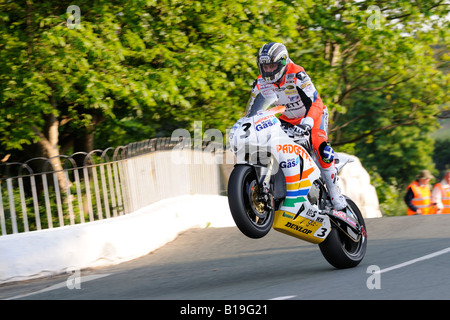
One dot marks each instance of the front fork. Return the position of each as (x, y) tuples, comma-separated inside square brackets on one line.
[(264, 180), (265, 194)]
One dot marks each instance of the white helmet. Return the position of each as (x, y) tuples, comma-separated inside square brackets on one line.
[(273, 61)]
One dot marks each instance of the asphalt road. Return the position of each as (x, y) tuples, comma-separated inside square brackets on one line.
[(412, 255)]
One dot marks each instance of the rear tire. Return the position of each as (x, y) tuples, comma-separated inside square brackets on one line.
[(339, 250), (251, 216)]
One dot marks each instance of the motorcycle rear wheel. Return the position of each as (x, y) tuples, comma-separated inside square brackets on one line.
[(341, 251), (250, 214)]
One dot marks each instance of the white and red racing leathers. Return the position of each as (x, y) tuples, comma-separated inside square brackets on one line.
[(298, 94)]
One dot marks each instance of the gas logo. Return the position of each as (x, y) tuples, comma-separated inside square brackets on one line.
[(265, 124), (290, 163)]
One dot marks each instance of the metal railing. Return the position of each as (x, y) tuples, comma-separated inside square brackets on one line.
[(100, 184)]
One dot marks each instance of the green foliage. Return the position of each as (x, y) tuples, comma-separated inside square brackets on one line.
[(390, 195), (442, 156)]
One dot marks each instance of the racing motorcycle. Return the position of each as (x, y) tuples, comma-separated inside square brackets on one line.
[(276, 184)]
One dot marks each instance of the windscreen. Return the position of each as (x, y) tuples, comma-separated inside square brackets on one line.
[(260, 103)]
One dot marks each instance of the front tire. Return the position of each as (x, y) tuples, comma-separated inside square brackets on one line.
[(339, 250), (251, 216)]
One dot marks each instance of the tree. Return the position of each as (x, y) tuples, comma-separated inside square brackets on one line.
[(66, 81)]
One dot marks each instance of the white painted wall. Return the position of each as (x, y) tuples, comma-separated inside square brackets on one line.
[(111, 241), (354, 181)]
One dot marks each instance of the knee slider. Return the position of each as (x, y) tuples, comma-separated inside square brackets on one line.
[(326, 152)]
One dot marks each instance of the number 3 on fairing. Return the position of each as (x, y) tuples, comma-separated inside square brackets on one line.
[(246, 126), (324, 232)]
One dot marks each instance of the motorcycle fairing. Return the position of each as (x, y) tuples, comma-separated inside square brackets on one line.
[(302, 227), (297, 216), (299, 177)]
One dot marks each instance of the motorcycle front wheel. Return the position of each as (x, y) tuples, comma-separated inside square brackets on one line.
[(339, 249), (250, 213)]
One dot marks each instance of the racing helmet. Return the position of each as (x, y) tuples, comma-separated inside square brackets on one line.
[(273, 61)]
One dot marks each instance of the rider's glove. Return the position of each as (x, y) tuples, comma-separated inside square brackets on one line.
[(304, 127), (307, 121), (300, 130)]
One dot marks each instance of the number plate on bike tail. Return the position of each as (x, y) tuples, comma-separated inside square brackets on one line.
[(302, 228)]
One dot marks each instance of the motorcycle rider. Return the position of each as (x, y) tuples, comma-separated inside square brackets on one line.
[(304, 108)]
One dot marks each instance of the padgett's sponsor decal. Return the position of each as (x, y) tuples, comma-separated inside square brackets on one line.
[(296, 149)]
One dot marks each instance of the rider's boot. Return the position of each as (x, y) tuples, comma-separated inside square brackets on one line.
[(331, 180)]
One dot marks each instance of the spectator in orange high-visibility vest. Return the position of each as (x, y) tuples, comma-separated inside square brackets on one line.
[(441, 194), (418, 195)]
